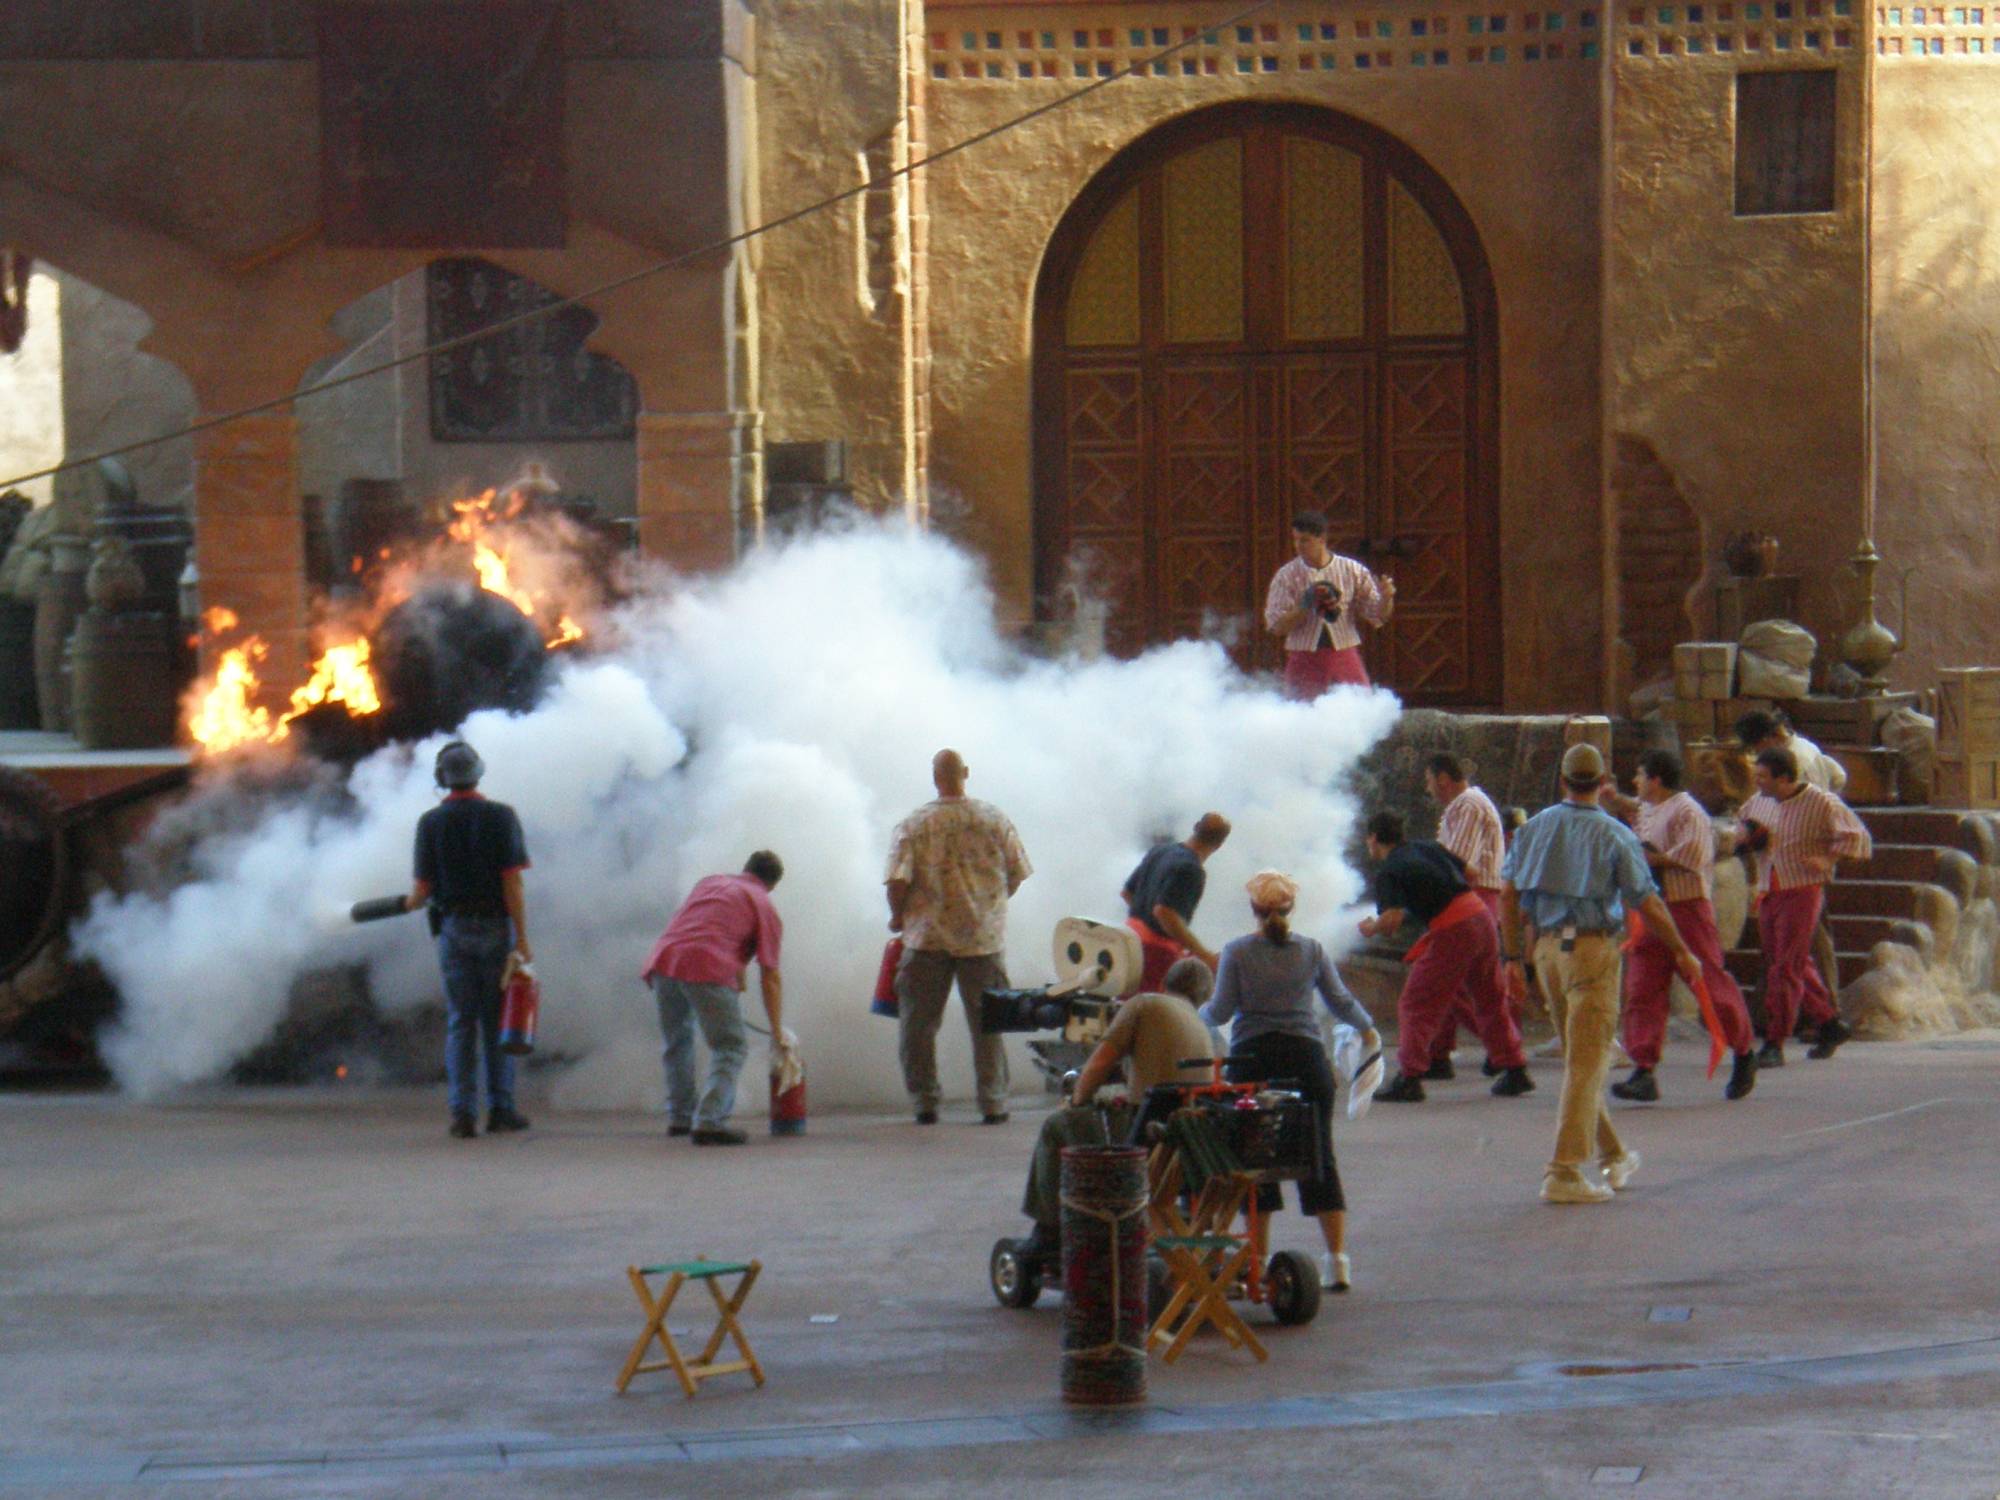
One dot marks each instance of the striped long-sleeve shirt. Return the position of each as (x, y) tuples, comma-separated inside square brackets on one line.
[(1809, 830), (1360, 593), (1470, 828), (1679, 828)]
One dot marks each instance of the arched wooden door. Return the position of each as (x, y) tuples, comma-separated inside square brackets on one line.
[(1254, 311)]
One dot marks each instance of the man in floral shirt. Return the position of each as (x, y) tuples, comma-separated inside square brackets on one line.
[(953, 864)]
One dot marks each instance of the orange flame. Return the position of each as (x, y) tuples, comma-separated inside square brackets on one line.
[(227, 714)]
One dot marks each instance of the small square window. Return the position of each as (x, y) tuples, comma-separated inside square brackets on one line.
[(1420, 27), (1189, 67), (1048, 41), (1079, 38), (1025, 40), (1270, 64), (1978, 44), (1918, 17), (1475, 25), (1385, 28), (1694, 15), (1305, 31), (970, 70), (1531, 54), (1587, 20), (1813, 40), (1083, 70), (1666, 16), (1361, 60), (1725, 43), (1159, 67), (970, 41), (1752, 40), (1024, 70), (1666, 47), (1495, 25), (1441, 25), (1246, 33), (1440, 57), (940, 70), (1782, 41), (1496, 54), (1695, 46), (1211, 65), (1138, 36), (1782, 10), (1419, 60), (993, 70), (1328, 61), (1160, 36), (1246, 64), (1553, 21), (994, 41), (1104, 68), (1384, 60), (1328, 30), (1636, 47), (1588, 49)]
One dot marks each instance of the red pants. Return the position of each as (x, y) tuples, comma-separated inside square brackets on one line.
[(1785, 922), (1649, 975), (1461, 958), (1310, 673), (1463, 1011)]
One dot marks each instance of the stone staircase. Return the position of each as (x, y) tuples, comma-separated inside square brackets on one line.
[(1879, 900)]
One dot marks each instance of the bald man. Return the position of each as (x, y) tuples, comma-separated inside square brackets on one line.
[(953, 865)]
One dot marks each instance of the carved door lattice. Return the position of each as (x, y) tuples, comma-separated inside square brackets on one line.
[(1261, 311)]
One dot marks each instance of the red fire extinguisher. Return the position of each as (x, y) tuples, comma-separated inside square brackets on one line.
[(788, 1086), (884, 1002), (520, 1007)]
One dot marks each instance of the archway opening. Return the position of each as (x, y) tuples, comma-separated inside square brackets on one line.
[(1252, 311)]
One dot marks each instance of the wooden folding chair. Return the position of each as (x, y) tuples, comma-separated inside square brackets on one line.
[(1204, 1259), (703, 1366)]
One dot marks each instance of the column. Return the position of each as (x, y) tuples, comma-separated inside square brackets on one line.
[(249, 538), (697, 485)]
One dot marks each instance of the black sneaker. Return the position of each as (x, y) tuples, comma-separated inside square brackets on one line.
[(927, 1117), (1639, 1088), (1440, 1071), (1831, 1035), (995, 1117), (718, 1136), (673, 1130), (1770, 1055), (1490, 1069), (501, 1121), (1402, 1089), (464, 1127), (1512, 1083), (1742, 1076)]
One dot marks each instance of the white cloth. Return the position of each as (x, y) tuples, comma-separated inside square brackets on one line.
[(1359, 1067)]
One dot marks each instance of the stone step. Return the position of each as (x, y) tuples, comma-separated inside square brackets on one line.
[(1872, 898), (1857, 934), (1918, 862), (1746, 967), (1913, 825)]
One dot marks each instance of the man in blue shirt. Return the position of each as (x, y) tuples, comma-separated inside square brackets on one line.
[(1572, 872)]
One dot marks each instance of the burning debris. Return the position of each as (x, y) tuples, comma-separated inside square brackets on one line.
[(440, 629)]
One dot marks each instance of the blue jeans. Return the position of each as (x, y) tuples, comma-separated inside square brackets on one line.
[(472, 953), (719, 1014)]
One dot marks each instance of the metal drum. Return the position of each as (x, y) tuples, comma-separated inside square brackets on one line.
[(124, 680), (1104, 1243)]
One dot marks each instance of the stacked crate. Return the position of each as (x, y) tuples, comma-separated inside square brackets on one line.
[(1704, 706), (1967, 771)]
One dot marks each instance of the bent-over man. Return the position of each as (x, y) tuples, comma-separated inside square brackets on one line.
[(1313, 602), (1161, 895), (696, 973), (953, 865)]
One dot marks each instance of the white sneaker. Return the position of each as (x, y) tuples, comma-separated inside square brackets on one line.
[(1335, 1275), (1618, 1171), (1574, 1190)]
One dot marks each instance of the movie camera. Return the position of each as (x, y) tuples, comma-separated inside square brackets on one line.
[(1095, 963)]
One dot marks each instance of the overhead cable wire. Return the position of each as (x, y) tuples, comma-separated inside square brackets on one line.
[(1133, 69)]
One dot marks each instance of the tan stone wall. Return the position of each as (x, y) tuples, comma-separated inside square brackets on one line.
[(1517, 141), (31, 407), (1733, 346), (1937, 350)]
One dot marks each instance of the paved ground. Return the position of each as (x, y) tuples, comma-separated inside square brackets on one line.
[(291, 1294)]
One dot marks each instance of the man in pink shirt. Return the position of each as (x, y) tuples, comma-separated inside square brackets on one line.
[(696, 972), (1469, 830), (1680, 846), (1797, 832), (1313, 601)]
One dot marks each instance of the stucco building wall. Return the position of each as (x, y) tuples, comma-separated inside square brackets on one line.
[(1937, 351), (1734, 346)]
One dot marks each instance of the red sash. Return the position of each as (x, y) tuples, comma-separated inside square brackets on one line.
[(1463, 908)]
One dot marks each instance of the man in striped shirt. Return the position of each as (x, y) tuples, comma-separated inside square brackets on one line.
[(1797, 831), (1679, 841), (1313, 601), (1758, 731), (1469, 829)]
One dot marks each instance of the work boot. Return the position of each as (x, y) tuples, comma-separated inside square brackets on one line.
[(1770, 1055), (718, 1135), (1639, 1088), (1402, 1089), (1440, 1071), (1512, 1083), (501, 1121), (464, 1127), (1742, 1076), (1831, 1034)]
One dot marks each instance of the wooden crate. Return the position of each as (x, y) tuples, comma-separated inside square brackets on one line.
[(1694, 718), (1968, 721), (1966, 781), (1705, 669)]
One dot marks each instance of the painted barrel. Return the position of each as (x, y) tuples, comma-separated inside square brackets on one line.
[(124, 672), (1104, 1244)]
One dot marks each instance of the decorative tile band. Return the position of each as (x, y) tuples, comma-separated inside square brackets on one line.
[(1727, 29), (1937, 31), (1010, 45)]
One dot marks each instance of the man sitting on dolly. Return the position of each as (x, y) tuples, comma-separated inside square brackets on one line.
[(1153, 1033)]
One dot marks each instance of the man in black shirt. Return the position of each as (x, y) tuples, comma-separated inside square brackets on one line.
[(469, 859), (1161, 895), (1423, 883)]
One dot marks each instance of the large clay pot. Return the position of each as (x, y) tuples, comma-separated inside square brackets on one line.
[(1751, 554), (59, 601)]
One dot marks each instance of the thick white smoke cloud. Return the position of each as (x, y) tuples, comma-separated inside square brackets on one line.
[(793, 704)]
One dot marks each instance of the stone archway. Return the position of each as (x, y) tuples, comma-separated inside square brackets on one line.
[(1256, 310)]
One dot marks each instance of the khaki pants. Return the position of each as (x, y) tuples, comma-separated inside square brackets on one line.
[(1581, 988), (923, 985)]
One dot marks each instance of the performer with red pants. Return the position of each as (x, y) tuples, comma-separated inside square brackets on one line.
[(1797, 831), (1468, 829), (1313, 602), (1459, 951), (1161, 895), (1679, 841)]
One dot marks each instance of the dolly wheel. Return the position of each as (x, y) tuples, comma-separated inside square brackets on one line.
[(1293, 1282), (1016, 1282)]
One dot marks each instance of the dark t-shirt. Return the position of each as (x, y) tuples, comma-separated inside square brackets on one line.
[(1168, 876), (1421, 878), (464, 845)]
